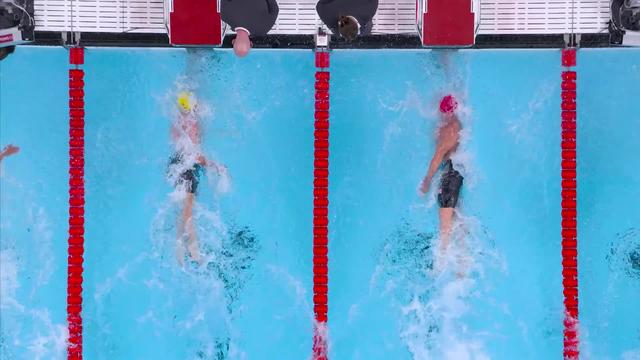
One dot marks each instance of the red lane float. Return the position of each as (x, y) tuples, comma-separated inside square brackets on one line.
[(569, 205), (320, 206), (76, 204)]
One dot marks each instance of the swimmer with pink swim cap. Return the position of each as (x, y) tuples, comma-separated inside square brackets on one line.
[(448, 104), (447, 140)]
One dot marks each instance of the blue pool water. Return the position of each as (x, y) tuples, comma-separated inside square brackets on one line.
[(252, 298), (609, 213)]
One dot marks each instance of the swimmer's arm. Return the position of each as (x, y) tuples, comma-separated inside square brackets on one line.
[(8, 150), (202, 160), (175, 132), (433, 167)]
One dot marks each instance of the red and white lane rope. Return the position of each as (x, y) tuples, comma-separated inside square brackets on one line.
[(76, 204), (321, 205), (569, 203)]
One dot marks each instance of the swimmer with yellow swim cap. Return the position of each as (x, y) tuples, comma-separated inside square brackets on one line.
[(186, 166), (185, 102)]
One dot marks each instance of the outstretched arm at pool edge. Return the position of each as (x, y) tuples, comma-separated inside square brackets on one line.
[(8, 150)]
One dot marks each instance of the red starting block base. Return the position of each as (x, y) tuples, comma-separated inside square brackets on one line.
[(195, 23), (448, 23)]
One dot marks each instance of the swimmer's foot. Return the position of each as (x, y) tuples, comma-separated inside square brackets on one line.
[(180, 254), (439, 265), (463, 264), (194, 252)]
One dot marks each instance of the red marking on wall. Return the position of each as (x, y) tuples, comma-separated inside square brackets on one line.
[(569, 204), (320, 206), (76, 204), (448, 23), (6, 38)]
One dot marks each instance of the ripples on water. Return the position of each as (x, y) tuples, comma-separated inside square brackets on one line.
[(624, 254)]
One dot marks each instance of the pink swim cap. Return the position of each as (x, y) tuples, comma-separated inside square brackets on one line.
[(448, 104)]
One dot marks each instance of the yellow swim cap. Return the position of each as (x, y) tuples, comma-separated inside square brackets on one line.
[(184, 101)]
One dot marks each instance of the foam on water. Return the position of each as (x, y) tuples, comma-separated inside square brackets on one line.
[(434, 305), (631, 354), (300, 305), (204, 296), (9, 280), (623, 259), (26, 265), (42, 227), (624, 256), (296, 289)]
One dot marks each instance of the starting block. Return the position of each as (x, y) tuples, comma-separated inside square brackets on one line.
[(447, 23), (194, 22), (21, 21), (14, 36)]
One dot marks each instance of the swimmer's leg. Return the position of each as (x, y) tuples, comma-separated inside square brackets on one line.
[(192, 239), (180, 239), (446, 220), (463, 260)]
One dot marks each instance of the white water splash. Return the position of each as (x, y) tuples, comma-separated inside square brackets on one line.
[(300, 299), (50, 340), (9, 283), (223, 183), (27, 330), (299, 303), (527, 128), (41, 227), (30, 332), (435, 304), (435, 328), (631, 354)]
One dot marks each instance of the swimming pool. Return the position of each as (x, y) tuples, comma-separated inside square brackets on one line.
[(253, 298)]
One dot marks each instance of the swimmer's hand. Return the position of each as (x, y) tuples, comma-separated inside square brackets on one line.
[(220, 169), (210, 164), (202, 160), (9, 150), (424, 187)]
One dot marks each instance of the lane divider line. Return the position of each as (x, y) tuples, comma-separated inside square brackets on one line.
[(321, 205), (76, 204), (569, 187)]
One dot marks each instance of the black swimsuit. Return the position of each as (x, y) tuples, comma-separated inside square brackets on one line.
[(450, 185), (189, 177)]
